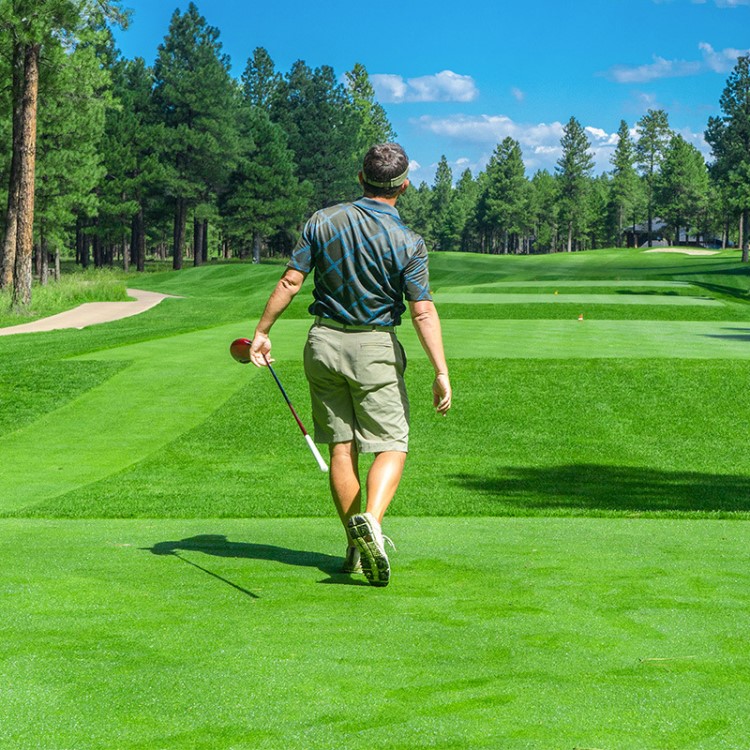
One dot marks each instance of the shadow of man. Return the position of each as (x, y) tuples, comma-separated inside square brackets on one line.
[(219, 546)]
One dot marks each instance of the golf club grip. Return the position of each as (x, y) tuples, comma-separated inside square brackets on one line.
[(314, 449)]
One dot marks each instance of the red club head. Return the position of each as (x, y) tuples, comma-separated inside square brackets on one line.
[(240, 350)]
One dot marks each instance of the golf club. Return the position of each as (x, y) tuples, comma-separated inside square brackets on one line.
[(240, 350)]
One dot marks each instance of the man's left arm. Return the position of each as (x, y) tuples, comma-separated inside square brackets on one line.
[(286, 290)]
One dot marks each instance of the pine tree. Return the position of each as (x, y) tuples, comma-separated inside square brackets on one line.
[(263, 196), (415, 208), (574, 172), (653, 137), (69, 157), (260, 81), (729, 138), (462, 225), (32, 26), (599, 198), (544, 208), (441, 200), (131, 141), (503, 202), (318, 117), (682, 187), (625, 186), (374, 126), (195, 97)]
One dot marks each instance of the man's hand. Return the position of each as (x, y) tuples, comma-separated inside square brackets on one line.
[(260, 350), (442, 393)]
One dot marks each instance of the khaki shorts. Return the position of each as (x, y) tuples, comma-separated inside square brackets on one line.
[(357, 388)]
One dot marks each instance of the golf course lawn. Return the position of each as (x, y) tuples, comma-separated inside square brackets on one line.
[(571, 564)]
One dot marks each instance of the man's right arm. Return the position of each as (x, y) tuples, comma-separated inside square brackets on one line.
[(286, 289), (426, 321)]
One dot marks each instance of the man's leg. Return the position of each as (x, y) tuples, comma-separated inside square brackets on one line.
[(344, 481), (383, 480), (382, 483)]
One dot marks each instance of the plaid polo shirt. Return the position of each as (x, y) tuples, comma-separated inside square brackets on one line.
[(365, 260)]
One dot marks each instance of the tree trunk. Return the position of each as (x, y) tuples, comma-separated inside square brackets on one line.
[(180, 221), (8, 250), (27, 166), (745, 235), (138, 240), (86, 251), (570, 237), (197, 242), (57, 264), (97, 241), (256, 247), (43, 251), (125, 254), (204, 248)]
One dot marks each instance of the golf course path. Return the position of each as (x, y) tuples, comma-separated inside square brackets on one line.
[(91, 313)]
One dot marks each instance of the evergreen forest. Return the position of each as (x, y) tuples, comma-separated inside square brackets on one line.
[(112, 161)]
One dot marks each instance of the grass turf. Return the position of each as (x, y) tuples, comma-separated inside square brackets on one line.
[(519, 629), (513, 633)]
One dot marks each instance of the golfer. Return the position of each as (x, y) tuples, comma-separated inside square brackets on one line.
[(365, 262)]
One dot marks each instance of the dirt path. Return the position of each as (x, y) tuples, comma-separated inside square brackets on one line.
[(91, 313)]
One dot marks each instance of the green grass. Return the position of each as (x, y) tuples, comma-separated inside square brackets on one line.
[(73, 289), (571, 563), (512, 633)]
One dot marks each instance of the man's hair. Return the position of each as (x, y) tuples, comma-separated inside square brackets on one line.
[(384, 170)]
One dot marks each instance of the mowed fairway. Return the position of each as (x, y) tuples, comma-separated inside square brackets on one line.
[(572, 540)]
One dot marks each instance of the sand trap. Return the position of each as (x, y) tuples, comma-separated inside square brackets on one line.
[(682, 250), (91, 313)]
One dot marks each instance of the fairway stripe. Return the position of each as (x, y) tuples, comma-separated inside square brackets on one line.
[(578, 299)]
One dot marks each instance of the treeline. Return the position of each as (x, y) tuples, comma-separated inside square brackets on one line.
[(659, 187), (178, 158), (110, 159)]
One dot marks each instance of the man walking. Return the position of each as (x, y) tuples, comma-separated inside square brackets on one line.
[(365, 262)]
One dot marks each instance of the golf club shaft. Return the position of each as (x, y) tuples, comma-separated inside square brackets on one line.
[(310, 444)]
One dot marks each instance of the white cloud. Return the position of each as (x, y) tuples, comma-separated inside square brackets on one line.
[(718, 3), (518, 95), (723, 61), (659, 68), (540, 142), (715, 61), (490, 129), (446, 86)]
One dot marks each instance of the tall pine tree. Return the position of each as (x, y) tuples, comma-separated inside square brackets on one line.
[(625, 185), (682, 187), (318, 117), (574, 173), (263, 196), (653, 138), (32, 26), (195, 98), (729, 138)]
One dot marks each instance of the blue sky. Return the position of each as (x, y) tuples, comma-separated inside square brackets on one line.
[(457, 77)]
